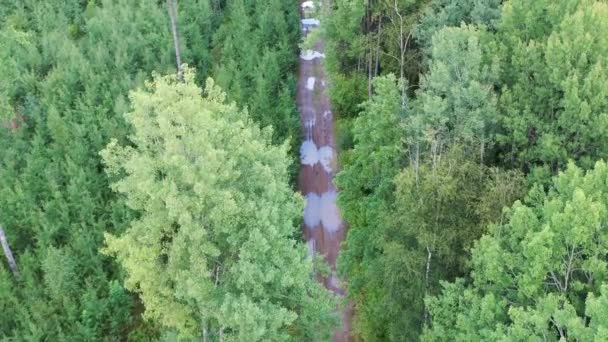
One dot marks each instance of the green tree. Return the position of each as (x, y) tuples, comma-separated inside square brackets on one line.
[(63, 90), (438, 213), (366, 192), (453, 13), (212, 252), (553, 104), (455, 103), (415, 188), (540, 275)]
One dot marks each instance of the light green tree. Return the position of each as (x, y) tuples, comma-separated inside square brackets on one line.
[(455, 102), (554, 84), (213, 251), (540, 275)]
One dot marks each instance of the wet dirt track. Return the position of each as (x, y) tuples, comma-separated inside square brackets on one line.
[(323, 227)]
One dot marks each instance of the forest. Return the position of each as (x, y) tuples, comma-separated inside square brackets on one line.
[(154, 177)]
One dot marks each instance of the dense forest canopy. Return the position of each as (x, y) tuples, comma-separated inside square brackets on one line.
[(148, 164), (67, 69), (469, 105)]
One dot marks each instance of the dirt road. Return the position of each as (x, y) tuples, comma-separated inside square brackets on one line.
[(324, 229)]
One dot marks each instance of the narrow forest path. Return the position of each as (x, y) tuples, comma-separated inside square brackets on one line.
[(324, 229)]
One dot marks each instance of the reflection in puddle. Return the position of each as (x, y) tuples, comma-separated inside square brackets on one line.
[(308, 22), (309, 55), (312, 210), (330, 214), (308, 5), (310, 83), (322, 209), (326, 155), (334, 281), (309, 154)]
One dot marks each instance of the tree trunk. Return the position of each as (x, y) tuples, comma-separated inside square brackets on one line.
[(205, 333), (426, 280), (171, 6), (370, 70), (8, 253), (378, 47)]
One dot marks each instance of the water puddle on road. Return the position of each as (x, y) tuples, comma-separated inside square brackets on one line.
[(326, 158), (322, 227), (308, 5), (309, 155), (312, 211), (310, 83), (309, 55), (310, 22), (330, 214)]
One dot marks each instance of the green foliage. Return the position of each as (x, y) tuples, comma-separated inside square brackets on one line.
[(541, 274), (255, 50), (455, 102), (366, 189), (453, 13), (341, 30), (416, 218), (364, 40), (346, 93), (212, 250), (62, 95), (554, 102), (67, 67), (436, 218)]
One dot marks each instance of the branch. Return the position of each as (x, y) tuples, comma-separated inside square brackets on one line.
[(557, 282), (8, 253), (569, 268)]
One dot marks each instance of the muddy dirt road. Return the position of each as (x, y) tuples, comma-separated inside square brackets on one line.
[(324, 229)]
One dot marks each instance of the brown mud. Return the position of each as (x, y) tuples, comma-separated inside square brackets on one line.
[(323, 227)]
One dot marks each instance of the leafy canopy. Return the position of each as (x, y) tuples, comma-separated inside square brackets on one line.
[(213, 248), (542, 274)]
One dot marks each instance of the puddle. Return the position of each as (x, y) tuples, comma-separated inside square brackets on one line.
[(325, 156), (312, 210), (308, 5), (309, 155), (311, 22), (330, 214), (310, 83), (309, 55), (334, 281)]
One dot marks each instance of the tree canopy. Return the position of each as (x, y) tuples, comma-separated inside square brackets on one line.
[(540, 274), (212, 250)]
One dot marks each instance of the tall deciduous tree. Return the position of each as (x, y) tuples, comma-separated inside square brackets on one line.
[(412, 223), (455, 102), (555, 102), (212, 253), (540, 275)]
